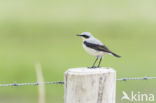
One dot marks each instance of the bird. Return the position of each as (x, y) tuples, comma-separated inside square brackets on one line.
[(95, 47)]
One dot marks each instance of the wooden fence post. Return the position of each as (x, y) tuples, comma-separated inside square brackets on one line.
[(83, 85)]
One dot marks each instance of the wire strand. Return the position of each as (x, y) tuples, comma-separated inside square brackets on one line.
[(61, 82)]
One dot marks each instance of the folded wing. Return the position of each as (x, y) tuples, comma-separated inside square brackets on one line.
[(99, 48)]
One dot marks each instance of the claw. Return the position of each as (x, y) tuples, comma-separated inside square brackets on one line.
[(93, 67)]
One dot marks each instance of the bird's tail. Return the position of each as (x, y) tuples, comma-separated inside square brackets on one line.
[(115, 55)]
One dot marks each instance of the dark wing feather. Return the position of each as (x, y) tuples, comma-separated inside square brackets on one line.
[(97, 47), (100, 48)]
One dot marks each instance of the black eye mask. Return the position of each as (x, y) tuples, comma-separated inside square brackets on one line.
[(85, 36)]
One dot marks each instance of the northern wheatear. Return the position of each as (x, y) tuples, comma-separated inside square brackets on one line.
[(95, 47)]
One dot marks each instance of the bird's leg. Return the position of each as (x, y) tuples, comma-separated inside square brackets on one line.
[(100, 62), (95, 62)]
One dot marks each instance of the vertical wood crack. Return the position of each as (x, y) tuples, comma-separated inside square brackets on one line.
[(101, 88)]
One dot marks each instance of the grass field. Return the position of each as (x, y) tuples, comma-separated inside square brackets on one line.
[(44, 31)]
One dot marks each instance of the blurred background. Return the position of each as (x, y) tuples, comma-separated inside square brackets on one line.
[(44, 31)]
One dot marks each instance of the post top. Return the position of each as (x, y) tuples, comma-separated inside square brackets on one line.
[(84, 70)]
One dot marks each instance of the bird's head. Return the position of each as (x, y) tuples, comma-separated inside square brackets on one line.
[(85, 35)]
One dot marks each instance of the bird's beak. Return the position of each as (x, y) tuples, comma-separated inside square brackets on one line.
[(78, 35)]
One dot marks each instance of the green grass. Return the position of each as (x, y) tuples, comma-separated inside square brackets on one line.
[(45, 31)]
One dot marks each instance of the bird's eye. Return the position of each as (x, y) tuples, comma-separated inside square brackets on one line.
[(85, 36)]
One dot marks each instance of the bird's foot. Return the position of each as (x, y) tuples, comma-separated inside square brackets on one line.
[(93, 67), (98, 67)]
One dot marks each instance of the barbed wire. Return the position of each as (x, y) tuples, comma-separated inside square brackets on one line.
[(61, 82), (35, 84), (135, 78)]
